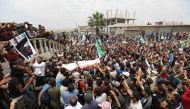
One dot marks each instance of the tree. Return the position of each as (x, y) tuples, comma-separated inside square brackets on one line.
[(97, 21)]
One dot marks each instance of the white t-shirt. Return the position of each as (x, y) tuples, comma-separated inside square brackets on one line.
[(136, 105), (39, 69), (101, 99), (77, 106), (62, 90), (60, 77)]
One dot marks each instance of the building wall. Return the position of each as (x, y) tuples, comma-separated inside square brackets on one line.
[(131, 32), (148, 29), (178, 28), (117, 30), (85, 29)]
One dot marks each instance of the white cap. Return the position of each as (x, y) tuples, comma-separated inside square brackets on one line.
[(116, 83), (113, 74), (126, 73), (76, 74)]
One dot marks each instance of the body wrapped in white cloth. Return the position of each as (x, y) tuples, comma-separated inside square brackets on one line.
[(81, 64)]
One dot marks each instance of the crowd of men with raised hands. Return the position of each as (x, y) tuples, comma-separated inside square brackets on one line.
[(131, 75)]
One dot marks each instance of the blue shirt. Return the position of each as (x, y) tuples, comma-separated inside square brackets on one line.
[(45, 87), (92, 105), (119, 71), (67, 96), (171, 58)]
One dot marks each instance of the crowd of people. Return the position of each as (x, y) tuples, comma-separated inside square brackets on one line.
[(155, 36), (131, 75), (11, 30)]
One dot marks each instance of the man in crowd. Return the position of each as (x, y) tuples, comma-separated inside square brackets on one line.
[(39, 70), (74, 104), (67, 96), (54, 95), (90, 103), (10, 54), (17, 88)]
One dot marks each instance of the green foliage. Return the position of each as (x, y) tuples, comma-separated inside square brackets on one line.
[(97, 20)]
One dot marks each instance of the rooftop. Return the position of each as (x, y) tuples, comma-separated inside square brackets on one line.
[(121, 25)]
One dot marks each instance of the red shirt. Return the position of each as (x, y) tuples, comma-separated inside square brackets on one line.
[(186, 99), (81, 84), (12, 56), (164, 75)]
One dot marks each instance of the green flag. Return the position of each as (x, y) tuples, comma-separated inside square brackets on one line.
[(99, 50), (182, 44)]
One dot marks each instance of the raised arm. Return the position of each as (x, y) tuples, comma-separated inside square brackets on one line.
[(1, 49), (138, 80), (4, 83), (100, 69), (22, 90), (125, 85), (115, 98), (185, 74)]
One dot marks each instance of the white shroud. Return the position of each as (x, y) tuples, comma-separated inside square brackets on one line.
[(82, 64)]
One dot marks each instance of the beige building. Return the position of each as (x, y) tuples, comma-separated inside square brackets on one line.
[(117, 22), (86, 29), (135, 29), (124, 23)]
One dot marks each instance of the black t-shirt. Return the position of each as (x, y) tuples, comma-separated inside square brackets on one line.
[(155, 102), (13, 91), (1, 95)]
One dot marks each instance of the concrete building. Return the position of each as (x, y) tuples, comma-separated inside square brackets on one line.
[(135, 29), (119, 23)]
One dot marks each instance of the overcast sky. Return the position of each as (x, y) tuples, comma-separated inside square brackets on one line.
[(58, 14)]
